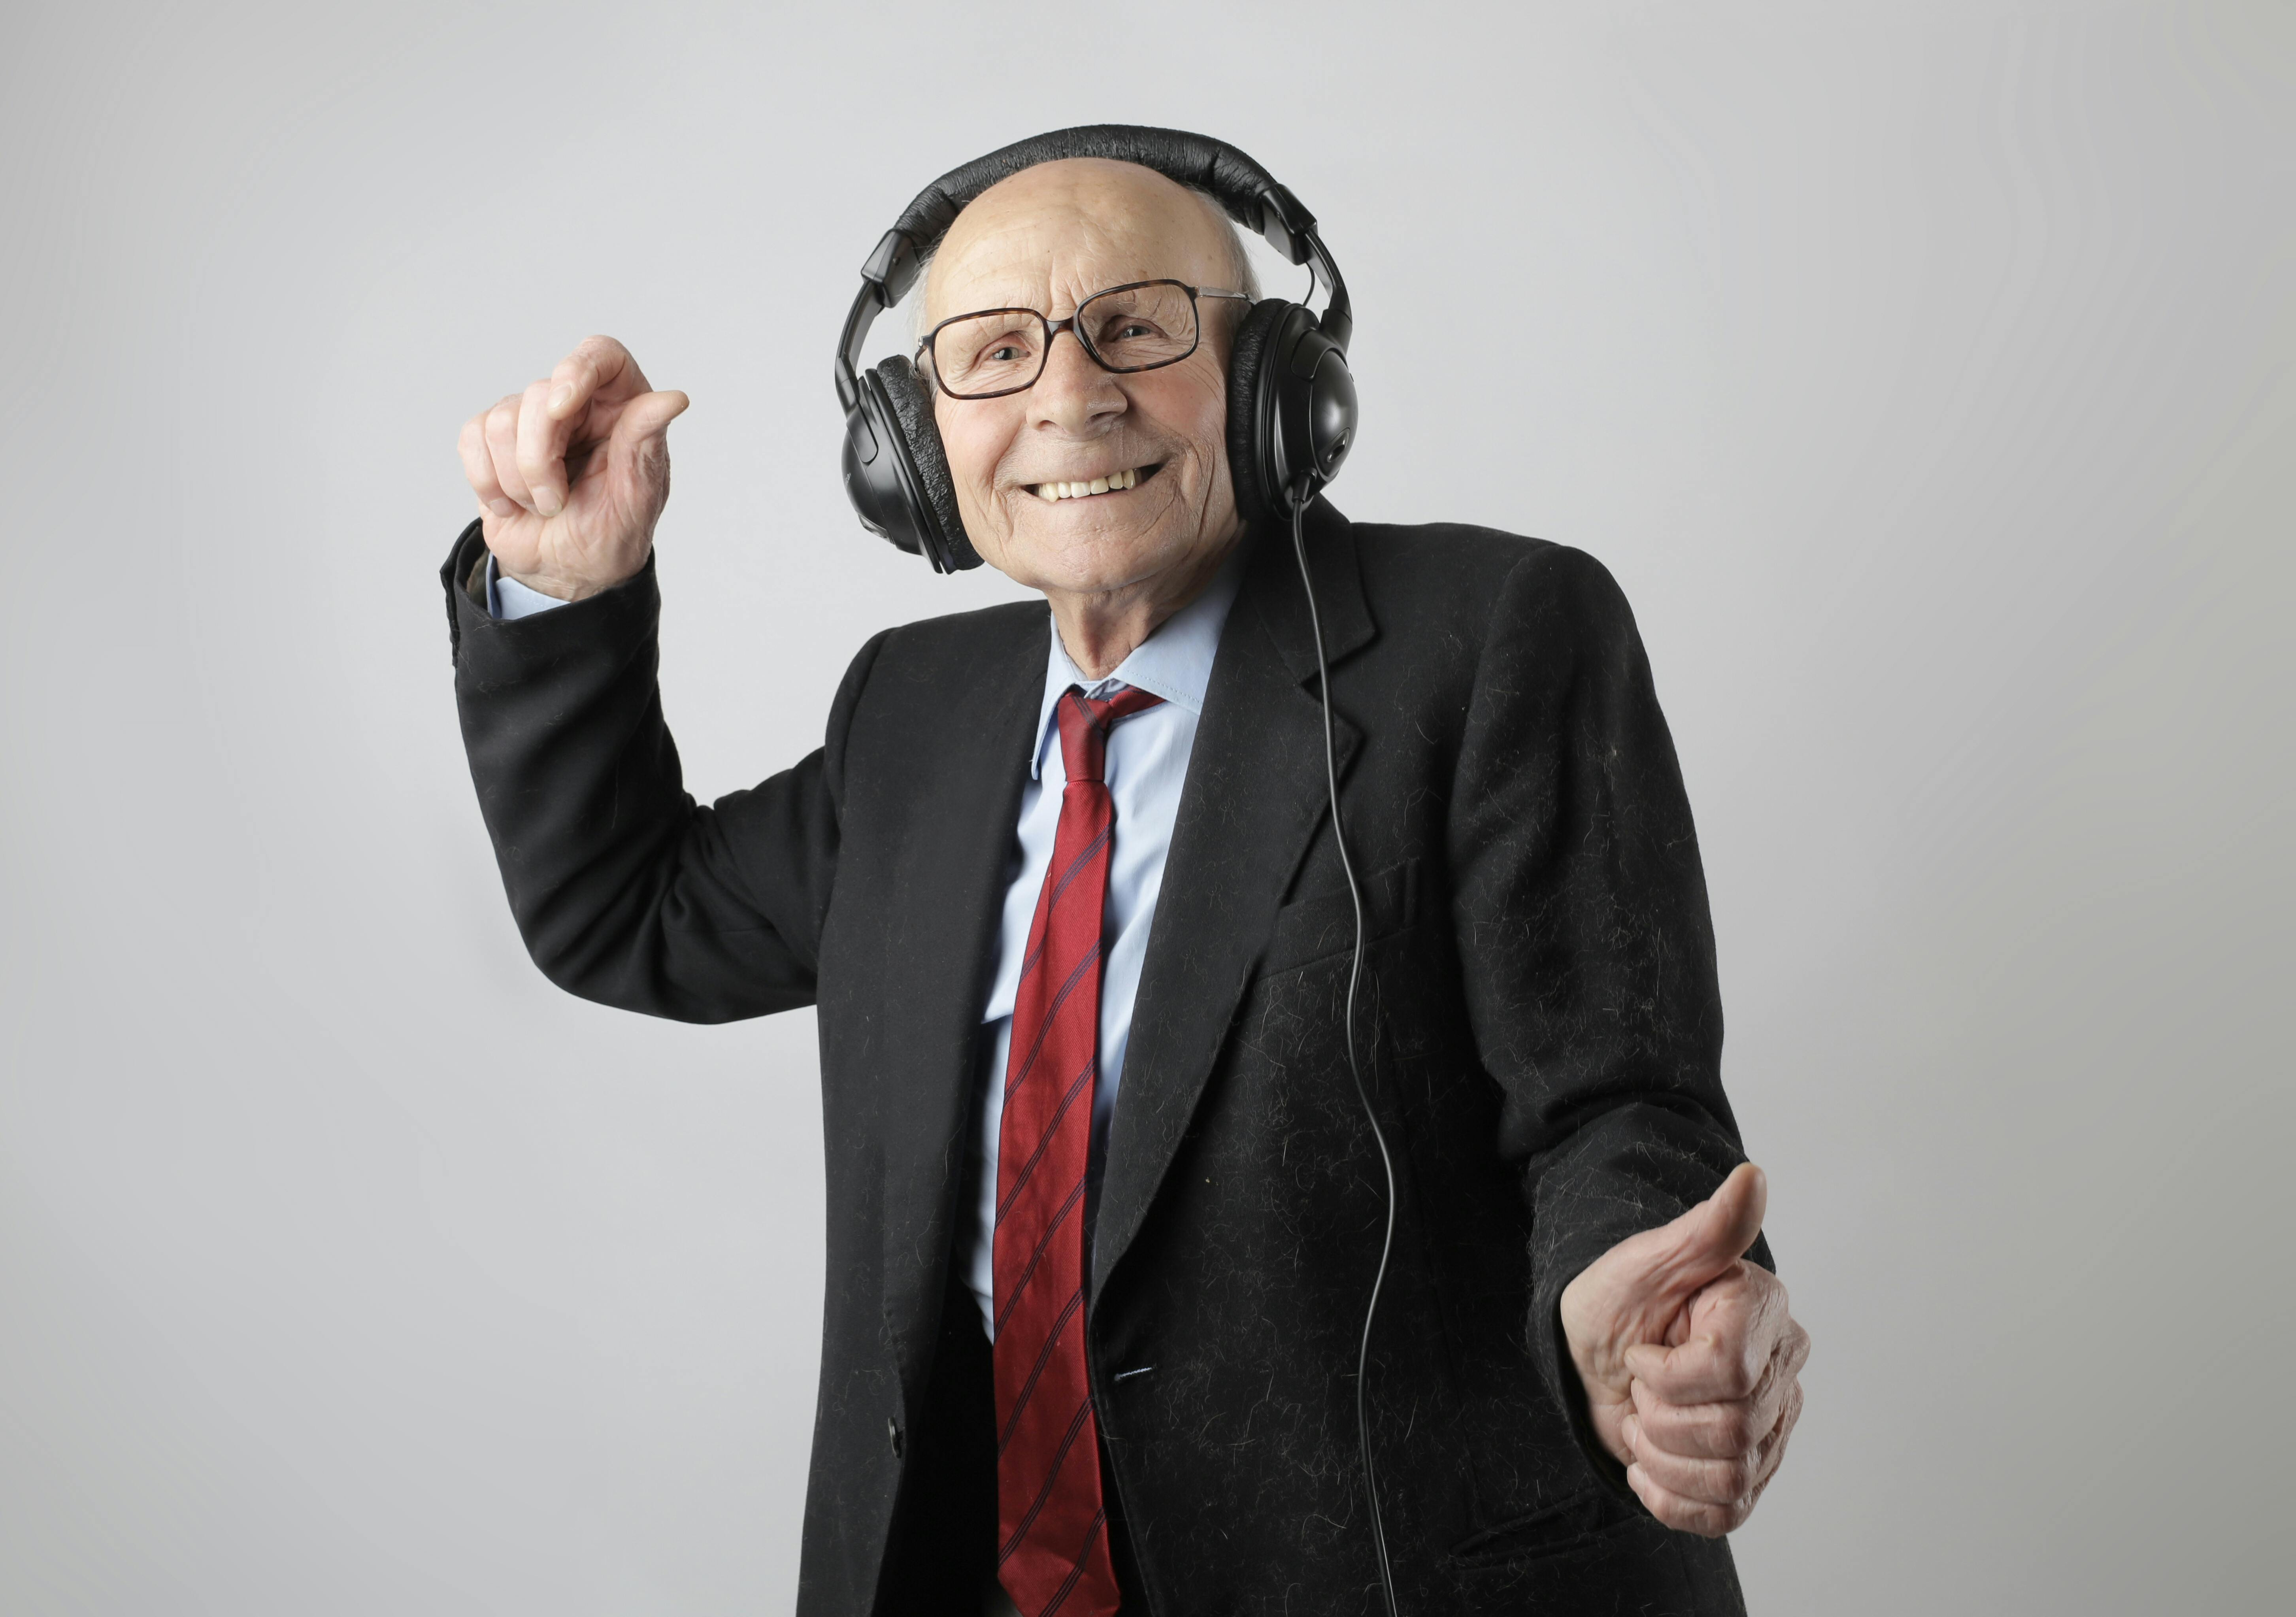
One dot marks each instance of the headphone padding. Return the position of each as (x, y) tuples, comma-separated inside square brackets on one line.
[(1246, 362), (911, 406)]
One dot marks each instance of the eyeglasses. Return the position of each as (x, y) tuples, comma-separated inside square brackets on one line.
[(1140, 326)]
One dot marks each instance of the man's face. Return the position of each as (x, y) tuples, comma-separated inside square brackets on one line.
[(1046, 239)]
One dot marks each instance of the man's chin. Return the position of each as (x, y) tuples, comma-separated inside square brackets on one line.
[(1055, 551)]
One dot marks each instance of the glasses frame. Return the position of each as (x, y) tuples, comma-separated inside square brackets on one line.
[(1053, 328)]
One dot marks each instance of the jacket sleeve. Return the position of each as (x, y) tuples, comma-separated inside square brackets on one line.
[(626, 891), (1583, 935)]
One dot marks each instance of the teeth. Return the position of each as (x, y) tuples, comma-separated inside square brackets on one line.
[(1127, 479)]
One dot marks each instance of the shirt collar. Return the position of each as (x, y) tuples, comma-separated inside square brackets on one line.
[(1175, 663)]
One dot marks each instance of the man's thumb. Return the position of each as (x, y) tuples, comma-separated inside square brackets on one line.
[(648, 416), (1714, 1234)]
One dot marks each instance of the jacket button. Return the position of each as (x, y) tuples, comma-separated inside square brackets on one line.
[(893, 1435)]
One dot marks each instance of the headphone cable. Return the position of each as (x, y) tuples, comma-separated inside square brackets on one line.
[(1304, 492)]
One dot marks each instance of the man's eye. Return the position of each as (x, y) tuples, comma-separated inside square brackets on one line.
[(1134, 328), (1004, 353)]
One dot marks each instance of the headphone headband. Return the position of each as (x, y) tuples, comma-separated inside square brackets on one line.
[(1194, 160), (1250, 195)]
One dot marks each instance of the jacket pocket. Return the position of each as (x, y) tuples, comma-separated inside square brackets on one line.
[(1576, 1523), (1322, 924)]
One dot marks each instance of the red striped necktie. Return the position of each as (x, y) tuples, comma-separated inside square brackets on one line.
[(1053, 1543)]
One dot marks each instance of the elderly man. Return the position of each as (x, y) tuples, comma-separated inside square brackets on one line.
[(1105, 1207)]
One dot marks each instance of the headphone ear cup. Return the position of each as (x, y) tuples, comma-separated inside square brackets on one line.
[(938, 524), (1250, 411)]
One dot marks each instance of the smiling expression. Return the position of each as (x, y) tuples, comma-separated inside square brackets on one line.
[(1091, 483)]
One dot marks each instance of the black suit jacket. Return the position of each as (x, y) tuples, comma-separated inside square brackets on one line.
[(1539, 1020)]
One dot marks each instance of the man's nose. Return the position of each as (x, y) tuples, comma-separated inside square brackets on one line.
[(1074, 392)]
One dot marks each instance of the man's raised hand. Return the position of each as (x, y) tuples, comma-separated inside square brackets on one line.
[(1690, 1363), (572, 474)]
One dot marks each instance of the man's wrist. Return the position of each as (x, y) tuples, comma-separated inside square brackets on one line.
[(510, 597), (549, 584)]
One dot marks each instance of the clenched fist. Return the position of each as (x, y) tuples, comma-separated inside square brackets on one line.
[(572, 474), (1691, 1362)]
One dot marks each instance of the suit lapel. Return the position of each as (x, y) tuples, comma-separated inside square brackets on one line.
[(953, 868), (1254, 795)]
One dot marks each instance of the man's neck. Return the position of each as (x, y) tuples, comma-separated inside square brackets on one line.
[(1100, 631)]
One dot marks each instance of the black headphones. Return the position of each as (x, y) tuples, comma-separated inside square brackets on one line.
[(1291, 401)]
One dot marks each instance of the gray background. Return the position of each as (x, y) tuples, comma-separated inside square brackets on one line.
[(1922, 371)]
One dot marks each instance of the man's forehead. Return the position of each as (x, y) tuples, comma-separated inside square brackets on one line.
[(1080, 220)]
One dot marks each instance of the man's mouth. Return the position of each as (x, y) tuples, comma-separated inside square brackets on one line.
[(1115, 482)]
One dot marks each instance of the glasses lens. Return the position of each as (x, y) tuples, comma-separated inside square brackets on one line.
[(1136, 327), (989, 353)]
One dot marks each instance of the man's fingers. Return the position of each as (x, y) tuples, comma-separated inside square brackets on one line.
[(1700, 1516), (525, 451), (1733, 1327), (1727, 1480), (479, 467), (1712, 1432), (1721, 1428), (599, 368), (1709, 1496), (542, 449), (1703, 1469), (1722, 1366), (649, 416), (502, 450), (1773, 1447), (639, 450)]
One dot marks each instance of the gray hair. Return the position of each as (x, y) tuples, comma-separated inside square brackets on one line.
[(1245, 279)]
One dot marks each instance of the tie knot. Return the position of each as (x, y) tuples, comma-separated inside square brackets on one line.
[(1086, 722)]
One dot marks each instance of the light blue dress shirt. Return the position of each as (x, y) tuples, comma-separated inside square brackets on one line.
[(1145, 765), (508, 599)]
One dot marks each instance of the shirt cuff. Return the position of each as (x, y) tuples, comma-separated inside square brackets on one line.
[(508, 600)]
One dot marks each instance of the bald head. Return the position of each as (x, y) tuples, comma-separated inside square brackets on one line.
[(1106, 208)]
